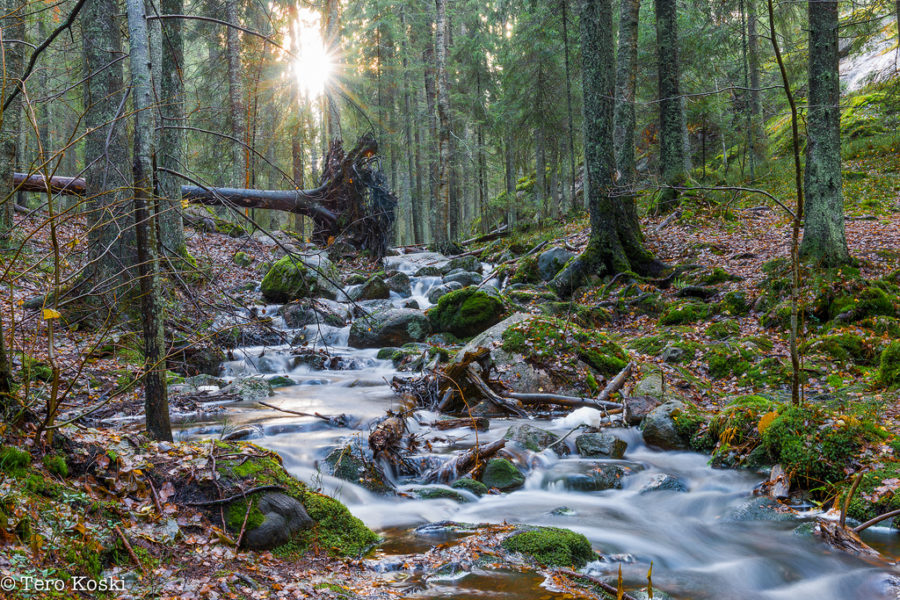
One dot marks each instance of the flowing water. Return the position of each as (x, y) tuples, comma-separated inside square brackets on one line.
[(708, 542)]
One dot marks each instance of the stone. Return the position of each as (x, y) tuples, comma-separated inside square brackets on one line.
[(414, 304), (393, 327), (466, 312), (486, 339), (373, 289), (414, 262), (599, 477), (399, 282), (351, 463), (638, 407), (600, 444), (658, 427), (438, 291), (533, 438), (242, 259), (438, 492), (300, 276), (464, 278), (551, 261), (470, 485), (428, 271), (284, 517), (250, 389), (663, 482), (502, 474), (196, 360), (672, 354), (312, 312), (466, 263), (651, 385), (761, 508)]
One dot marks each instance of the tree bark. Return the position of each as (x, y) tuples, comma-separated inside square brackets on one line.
[(6, 379), (430, 75), (333, 43), (12, 27), (625, 119), (671, 119), (111, 246), (615, 243), (240, 172), (441, 233), (758, 132), (565, 27), (156, 405), (824, 240), (540, 173), (511, 203), (415, 203), (171, 140)]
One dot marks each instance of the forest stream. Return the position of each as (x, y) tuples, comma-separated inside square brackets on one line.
[(708, 537)]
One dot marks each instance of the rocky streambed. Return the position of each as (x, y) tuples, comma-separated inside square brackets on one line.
[(330, 369)]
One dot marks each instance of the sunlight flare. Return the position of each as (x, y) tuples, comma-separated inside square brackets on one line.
[(313, 64)]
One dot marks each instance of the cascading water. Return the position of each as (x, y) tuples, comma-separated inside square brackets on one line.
[(711, 541)]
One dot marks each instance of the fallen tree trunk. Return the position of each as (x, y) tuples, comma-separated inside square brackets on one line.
[(463, 463), (352, 202)]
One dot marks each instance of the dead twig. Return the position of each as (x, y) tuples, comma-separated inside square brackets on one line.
[(130, 549), (609, 589), (243, 494)]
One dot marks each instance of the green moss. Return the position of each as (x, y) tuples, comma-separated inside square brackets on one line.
[(735, 303), (235, 512), (889, 369), (717, 275), (33, 369), (14, 461), (552, 546), (867, 503), (721, 330), (727, 361), (285, 281), (502, 474), (875, 300), (843, 347), (466, 312), (526, 271), (470, 485), (815, 444), (685, 313), (692, 425), (603, 361), (650, 344), (56, 464)]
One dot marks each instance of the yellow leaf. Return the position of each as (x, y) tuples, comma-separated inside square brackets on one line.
[(765, 421), (49, 313)]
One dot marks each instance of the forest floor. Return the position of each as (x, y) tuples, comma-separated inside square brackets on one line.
[(725, 318)]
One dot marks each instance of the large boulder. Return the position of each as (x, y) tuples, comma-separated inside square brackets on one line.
[(438, 291), (463, 278), (466, 312), (501, 474), (282, 518), (392, 327), (412, 263), (373, 289), (493, 335), (600, 445), (638, 407), (466, 263), (399, 282), (533, 438), (551, 261), (659, 428), (313, 312), (300, 276)]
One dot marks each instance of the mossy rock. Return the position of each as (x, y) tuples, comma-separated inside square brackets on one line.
[(470, 485), (293, 277), (843, 347), (889, 368), (527, 271), (552, 546), (877, 299), (715, 276), (441, 493), (681, 314), (649, 344), (735, 303), (351, 463), (466, 312), (722, 330), (335, 530), (531, 437), (727, 360), (242, 259), (502, 474)]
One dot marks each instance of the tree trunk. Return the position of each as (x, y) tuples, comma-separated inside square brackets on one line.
[(565, 28), (441, 233), (156, 405), (671, 117), (171, 141), (430, 77), (824, 240), (111, 246), (758, 132), (540, 173), (511, 203), (297, 224), (12, 27), (420, 200), (240, 165), (615, 243), (626, 78), (6, 378), (554, 183), (415, 204)]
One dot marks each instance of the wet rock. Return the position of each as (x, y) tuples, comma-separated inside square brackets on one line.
[(196, 360), (250, 389), (438, 492), (563, 511), (413, 304), (600, 444), (551, 261), (466, 263), (533, 438), (284, 517), (363, 308), (464, 278), (439, 291), (444, 339), (599, 477), (394, 327), (552, 546), (638, 407), (673, 354), (373, 289), (663, 482), (466, 312), (399, 282), (761, 508), (659, 430), (351, 463), (486, 408), (312, 312), (428, 271), (652, 385), (386, 353), (355, 279), (501, 474), (470, 485), (300, 276), (281, 381)]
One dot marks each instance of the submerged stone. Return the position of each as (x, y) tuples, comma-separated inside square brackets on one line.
[(600, 444), (533, 438), (663, 482), (503, 475)]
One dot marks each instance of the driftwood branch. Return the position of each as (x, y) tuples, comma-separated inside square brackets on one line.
[(615, 384), (609, 589), (876, 520), (463, 462), (474, 377)]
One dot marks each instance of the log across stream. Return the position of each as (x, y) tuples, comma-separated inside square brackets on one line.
[(711, 540)]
